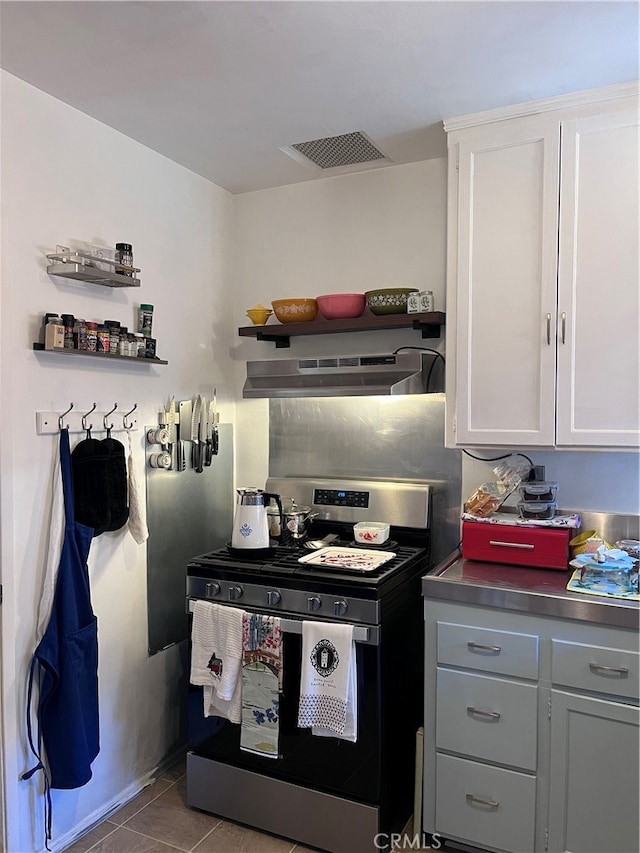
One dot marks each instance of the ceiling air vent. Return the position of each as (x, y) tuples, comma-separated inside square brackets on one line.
[(342, 152)]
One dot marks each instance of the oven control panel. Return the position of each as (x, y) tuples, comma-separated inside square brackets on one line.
[(341, 497), (402, 504), (280, 599)]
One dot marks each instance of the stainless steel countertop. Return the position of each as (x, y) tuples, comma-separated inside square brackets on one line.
[(538, 591)]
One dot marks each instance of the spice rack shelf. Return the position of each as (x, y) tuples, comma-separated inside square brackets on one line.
[(101, 356), (429, 323), (83, 266)]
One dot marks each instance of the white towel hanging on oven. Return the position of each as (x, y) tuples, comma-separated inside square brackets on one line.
[(216, 658), (351, 723), (328, 656)]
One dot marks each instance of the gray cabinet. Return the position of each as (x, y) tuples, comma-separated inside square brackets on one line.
[(531, 731), (594, 749)]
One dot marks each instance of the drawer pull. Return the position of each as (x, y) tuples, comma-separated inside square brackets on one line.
[(524, 545), (614, 670), (478, 647), (493, 804), (491, 715)]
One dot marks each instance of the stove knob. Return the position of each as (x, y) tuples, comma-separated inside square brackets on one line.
[(314, 603), (234, 592), (273, 596), (340, 607), (211, 589)]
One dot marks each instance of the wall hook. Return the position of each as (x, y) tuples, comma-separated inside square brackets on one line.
[(107, 426), (84, 418), (62, 417), (126, 415)]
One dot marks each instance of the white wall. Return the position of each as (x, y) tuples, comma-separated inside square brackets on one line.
[(67, 177), (379, 228), (597, 481)]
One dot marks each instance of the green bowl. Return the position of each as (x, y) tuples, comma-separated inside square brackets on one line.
[(389, 300)]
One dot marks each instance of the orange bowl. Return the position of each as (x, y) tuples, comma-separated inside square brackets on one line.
[(295, 310)]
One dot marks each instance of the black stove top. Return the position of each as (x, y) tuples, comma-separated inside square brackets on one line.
[(283, 565)]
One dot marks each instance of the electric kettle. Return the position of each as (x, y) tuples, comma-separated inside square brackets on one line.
[(250, 524)]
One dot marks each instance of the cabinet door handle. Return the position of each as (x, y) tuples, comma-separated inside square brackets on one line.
[(511, 544), (600, 667), (477, 647), (563, 318), (480, 802), (491, 715), (548, 329)]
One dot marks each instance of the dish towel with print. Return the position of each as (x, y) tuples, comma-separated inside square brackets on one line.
[(261, 684), (216, 658), (351, 724), (328, 655)]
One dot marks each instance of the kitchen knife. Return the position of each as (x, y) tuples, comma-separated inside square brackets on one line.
[(171, 426), (204, 433), (207, 434), (213, 413), (195, 427), (184, 434)]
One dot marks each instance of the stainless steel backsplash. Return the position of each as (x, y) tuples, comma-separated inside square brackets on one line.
[(380, 438)]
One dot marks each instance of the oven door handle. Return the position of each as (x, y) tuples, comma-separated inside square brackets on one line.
[(361, 633), (368, 634)]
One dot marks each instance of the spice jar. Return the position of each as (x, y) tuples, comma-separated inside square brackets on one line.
[(124, 255), (139, 344), (123, 345), (92, 336), (102, 341), (67, 322), (145, 320), (80, 334), (114, 336), (54, 333)]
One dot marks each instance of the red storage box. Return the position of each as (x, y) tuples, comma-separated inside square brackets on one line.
[(539, 547)]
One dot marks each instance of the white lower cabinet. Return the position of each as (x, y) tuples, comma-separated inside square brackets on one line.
[(530, 731)]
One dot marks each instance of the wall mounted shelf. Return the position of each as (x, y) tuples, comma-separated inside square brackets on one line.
[(83, 266), (101, 356), (429, 324)]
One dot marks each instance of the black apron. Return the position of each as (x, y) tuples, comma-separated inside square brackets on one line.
[(65, 663)]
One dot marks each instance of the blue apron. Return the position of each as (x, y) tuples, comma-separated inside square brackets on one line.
[(65, 663)]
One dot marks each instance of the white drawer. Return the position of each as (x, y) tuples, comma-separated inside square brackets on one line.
[(485, 805), (487, 718), (596, 668), (501, 652)]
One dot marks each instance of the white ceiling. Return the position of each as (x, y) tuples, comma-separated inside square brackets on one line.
[(221, 86)]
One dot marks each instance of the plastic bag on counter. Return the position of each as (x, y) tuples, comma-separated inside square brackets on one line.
[(490, 496)]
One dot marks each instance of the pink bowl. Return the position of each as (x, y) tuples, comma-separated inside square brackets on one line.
[(341, 306)]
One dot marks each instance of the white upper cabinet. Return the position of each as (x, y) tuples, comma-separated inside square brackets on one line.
[(598, 282), (542, 278)]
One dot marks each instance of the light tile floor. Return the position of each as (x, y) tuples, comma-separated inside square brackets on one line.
[(158, 820)]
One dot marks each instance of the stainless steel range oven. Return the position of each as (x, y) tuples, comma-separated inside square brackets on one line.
[(322, 791)]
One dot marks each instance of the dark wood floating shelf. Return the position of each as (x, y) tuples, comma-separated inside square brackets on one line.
[(104, 356), (279, 333)]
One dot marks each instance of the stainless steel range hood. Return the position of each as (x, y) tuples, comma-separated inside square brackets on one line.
[(403, 373)]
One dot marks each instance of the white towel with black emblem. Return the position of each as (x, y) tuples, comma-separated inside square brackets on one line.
[(328, 681), (216, 658)]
